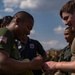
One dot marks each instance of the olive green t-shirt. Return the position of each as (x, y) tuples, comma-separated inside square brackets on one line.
[(7, 43)]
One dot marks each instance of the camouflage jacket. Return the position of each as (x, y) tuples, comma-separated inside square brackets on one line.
[(66, 56)]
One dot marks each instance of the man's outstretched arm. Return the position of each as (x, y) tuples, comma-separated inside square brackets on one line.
[(12, 66)]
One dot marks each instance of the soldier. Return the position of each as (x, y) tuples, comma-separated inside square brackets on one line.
[(67, 13), (66, 52), (9, 55)]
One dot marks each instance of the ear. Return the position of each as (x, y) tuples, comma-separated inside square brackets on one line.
[(18, 21), (16, 26)]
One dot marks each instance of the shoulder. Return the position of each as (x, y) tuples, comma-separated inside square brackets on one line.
[(5, 34), (33, 40), (4, 31), (65, 48), (36, 42), (73, 45)]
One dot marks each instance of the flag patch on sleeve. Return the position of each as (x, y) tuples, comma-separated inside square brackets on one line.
[(3, 39)]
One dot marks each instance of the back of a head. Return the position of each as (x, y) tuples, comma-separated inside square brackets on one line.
[(69, 7), (24, 16), (6, 20)]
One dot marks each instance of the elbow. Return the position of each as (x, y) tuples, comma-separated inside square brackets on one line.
[(2, 63)]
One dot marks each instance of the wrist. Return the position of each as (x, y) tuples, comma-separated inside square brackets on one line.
[(58, 66), (30, 66)]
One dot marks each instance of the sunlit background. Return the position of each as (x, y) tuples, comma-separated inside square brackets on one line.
[(48, 27)]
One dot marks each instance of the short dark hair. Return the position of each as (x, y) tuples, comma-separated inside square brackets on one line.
[(69, 7), (70, 29), (24, 16)]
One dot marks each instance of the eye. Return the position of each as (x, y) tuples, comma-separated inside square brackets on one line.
[(66, 18)]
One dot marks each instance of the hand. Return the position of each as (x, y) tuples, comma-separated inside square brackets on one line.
[(50, 67), (37, 63)]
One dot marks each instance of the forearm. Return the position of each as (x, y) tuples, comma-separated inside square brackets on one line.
[(66, 66), (14, 67)]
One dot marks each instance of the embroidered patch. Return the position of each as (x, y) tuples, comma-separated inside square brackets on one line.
[(31, 46), (3, 39)]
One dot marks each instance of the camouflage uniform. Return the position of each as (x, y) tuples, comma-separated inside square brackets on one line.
[(73, 52), (66, 56)]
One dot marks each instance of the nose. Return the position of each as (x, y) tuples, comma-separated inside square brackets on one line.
[(66, 22)]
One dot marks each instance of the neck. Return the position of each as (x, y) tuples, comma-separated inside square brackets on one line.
[(24, 39), (10, 29)]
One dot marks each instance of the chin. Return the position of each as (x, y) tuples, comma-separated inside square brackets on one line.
[(28, 34)]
